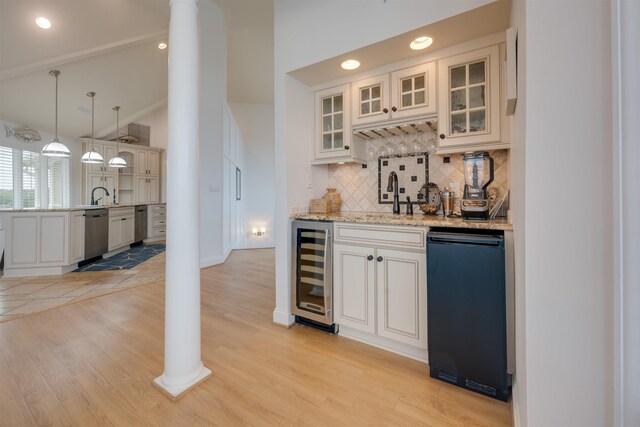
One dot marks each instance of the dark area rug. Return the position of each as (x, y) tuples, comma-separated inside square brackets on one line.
[(125, 260)]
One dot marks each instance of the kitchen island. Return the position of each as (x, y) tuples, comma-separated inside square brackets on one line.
[(50, 241)]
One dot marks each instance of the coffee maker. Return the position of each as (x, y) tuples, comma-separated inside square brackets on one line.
[(478, 174)]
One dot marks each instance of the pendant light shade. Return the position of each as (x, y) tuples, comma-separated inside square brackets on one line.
[(117, 161), (55, 148), (92, 156)]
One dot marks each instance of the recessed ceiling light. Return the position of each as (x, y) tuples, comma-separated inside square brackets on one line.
[(162, 45), (350, 64), (421, 42), (43, 22)]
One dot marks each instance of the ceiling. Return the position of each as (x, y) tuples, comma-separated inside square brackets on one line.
[(110, 47), (476, 23)]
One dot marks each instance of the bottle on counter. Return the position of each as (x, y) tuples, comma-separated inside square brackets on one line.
[(334, 197)]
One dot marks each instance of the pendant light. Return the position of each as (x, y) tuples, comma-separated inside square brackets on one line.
[(55, 148), (117, 161), (92, 156)]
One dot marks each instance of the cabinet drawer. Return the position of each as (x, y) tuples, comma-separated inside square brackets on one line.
[(113, 212), (404, 237), (159, 222), (158, 208)]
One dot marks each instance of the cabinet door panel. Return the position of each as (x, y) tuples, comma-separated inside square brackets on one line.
[(413, 91), (354, 287), (369, 98), (153, 190), (77, 236), (153, 163), (53, 233), (402, 305), (141, 162), (109, 152), (24, 238), (142, 190), (333, 123), (115, 233), (127, 230)]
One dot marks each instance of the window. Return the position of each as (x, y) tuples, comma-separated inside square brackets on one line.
[(29, 180)]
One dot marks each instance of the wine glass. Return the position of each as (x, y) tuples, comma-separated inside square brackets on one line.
[(415, 145), (391, 145), (372, 152), (404, 147)]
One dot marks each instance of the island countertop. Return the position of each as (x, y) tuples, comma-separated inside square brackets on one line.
[(79, 208), (412, 220)]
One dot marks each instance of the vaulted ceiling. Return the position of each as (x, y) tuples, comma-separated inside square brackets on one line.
[(110, 47)]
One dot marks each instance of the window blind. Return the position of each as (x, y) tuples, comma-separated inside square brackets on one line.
[(58, 182), (6, 178), (30, 188)]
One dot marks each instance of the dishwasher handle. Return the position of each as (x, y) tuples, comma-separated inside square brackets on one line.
[(465, 239)]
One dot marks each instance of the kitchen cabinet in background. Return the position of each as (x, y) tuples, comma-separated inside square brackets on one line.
[(380, 286), (400, 94)]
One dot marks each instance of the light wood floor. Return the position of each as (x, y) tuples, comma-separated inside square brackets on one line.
[(92, 363)]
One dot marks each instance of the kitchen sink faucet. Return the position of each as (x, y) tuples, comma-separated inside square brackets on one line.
[(95, 202), (393, 186)]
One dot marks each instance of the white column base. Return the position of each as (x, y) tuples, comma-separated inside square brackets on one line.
[(176, 391), (283, 318)]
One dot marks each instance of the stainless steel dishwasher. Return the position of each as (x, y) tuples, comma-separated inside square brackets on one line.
[(140, 224), (96, 233)]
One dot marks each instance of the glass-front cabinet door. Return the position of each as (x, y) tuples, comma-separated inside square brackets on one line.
[(413, 91), (370, 99), (470, 98), (333, 127)]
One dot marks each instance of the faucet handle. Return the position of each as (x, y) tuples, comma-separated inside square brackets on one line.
[(409, 206)]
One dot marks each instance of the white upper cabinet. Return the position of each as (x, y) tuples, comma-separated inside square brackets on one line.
[(333, 139), (404, 93), (469, 113)]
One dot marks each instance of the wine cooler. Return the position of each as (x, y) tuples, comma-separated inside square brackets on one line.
[(312, 274)]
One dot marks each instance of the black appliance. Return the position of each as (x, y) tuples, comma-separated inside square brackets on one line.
[(312, 274), (467, 310), (140, 231)]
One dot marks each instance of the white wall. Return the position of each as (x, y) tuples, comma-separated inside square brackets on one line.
[(213, 89), (309, 32), (517, 204), (255, 122), (562, 156), (626, 109)]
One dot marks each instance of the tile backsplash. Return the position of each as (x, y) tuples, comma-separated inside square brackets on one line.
[(358, 186)]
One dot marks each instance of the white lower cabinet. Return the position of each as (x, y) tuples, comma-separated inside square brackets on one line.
[(354, 287), (380, 286), (121, 227)]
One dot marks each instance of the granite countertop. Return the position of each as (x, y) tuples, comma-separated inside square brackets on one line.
[(78, 208), (415, 220)]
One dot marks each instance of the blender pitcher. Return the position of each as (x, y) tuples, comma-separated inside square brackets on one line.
[(478, 174)]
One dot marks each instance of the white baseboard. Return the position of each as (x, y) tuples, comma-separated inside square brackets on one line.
[(402, 349), (214, 260), (283, 318), (38, 271)]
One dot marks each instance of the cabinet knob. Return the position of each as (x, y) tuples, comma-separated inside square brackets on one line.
[(394, 109), (442, 136), (346, 147), (379, 259), (370, 257), (385, 110)]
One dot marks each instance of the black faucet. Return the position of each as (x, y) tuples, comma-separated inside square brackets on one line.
[(95, 202), (393, 186)]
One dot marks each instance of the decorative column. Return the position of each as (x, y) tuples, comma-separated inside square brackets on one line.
[(183, 368)]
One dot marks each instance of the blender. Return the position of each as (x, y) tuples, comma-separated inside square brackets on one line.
[(478, 174)]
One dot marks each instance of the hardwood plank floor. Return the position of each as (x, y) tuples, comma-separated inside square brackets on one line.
[(91, 363)]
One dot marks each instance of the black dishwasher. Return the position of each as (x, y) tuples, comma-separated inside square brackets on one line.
[(466, 310)]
